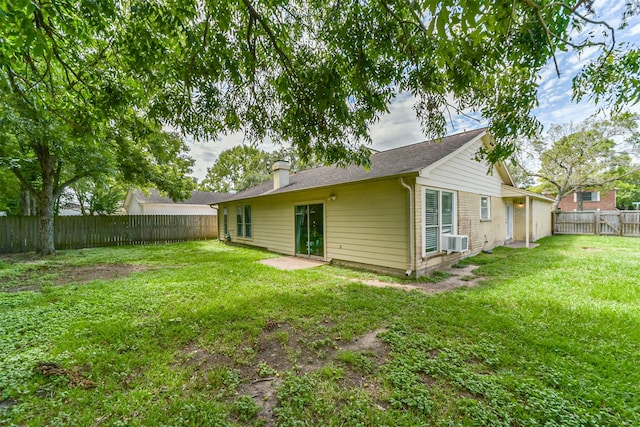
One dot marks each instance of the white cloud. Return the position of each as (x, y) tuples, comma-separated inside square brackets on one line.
[(635, 30), (609, 10)]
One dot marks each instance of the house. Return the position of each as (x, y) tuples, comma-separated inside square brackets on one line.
[(152, 202), (592, 200), (418, 207)]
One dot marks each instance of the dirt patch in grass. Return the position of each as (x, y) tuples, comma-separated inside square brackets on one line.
[(75, 377), (61, 275), (281, 350), (455, 278), (590, 249)]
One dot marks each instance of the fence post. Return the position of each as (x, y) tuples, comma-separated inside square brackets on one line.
[(596, 220)]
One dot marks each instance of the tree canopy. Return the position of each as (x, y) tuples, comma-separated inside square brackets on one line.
[(87, 86), (319, 73), (242, 167), (70, 110), (581, 156), (628, 193)]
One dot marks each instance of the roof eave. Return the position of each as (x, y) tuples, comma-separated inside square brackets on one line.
[(508, 191), (358, 181)]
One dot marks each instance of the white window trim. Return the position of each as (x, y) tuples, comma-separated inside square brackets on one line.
[(424, 221), (488, 217), (597, 197), (242, 227)]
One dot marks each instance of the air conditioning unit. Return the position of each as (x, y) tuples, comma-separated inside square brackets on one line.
[(455, 243)]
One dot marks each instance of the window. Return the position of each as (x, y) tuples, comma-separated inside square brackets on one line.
[(587, 196), (439, 217), (225, 221), (243, 220), (485, 208)]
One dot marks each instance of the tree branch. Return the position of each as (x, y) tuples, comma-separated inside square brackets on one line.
[(285, 60), (48, 30), (58, 191), (18, 173)]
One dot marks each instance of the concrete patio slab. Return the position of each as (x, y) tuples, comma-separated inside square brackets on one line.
[(291, 263)]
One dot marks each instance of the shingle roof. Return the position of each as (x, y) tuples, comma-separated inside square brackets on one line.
[(394, 162), (197, 197)]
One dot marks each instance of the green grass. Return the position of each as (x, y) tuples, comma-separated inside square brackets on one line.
[(551, 337)]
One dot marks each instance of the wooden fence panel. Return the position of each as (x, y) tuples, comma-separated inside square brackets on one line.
[(606, 223), (20, 234), (630, 223), (575, 223), (609, 223)]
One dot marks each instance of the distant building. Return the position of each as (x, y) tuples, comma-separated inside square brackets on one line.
[(138, 202), (591, 201)]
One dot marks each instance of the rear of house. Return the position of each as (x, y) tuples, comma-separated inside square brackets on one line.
[(418, 208)]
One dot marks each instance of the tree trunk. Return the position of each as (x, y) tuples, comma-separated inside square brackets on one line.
[(46, 202), (25, 202), (579, 199)]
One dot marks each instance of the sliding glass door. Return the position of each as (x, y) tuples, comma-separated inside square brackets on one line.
[(310, 230)]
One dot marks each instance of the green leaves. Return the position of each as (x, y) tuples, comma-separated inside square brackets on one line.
[(310, 74), (583, 155)]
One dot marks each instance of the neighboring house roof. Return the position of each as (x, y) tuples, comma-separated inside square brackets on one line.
[(153, 196), (395, 162)]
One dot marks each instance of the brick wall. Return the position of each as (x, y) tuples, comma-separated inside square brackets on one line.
[(607, 202), (483, 234)]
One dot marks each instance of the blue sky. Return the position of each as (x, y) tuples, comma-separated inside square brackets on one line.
[(400, 127)]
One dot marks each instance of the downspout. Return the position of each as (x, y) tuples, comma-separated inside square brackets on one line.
[(411, 221), (527, 220)]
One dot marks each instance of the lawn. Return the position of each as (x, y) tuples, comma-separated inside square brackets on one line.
[(200, 333)]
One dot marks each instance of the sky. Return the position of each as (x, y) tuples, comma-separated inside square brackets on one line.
[(400, 126)]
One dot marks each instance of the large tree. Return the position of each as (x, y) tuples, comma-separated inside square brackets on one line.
[(236, 169), (317, 74), (102, 196), (628, 194), (581, 156), (242, 167), (70, 111)]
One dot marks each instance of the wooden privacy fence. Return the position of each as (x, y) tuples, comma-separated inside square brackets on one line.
[(607, 223), (20, 234)]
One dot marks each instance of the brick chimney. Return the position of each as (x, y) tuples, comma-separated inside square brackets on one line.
[(280, 174)]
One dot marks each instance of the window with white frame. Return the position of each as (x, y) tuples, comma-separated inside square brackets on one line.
[(587, 196), (485, 208), (243, 220), (439, 217)]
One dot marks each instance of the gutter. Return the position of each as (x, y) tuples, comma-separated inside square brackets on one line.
[(411, 221)]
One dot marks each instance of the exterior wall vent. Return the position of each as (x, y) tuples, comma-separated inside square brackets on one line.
[(455, 243)]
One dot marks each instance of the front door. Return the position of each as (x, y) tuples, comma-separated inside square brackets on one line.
[(310, 230), (509, 220)]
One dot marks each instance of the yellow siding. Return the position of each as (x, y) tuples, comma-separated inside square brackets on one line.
[(366, 223), (463, 173), (519, 223), (539, 220)]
